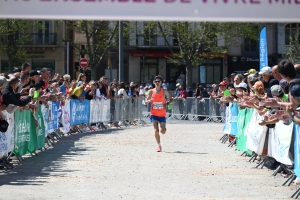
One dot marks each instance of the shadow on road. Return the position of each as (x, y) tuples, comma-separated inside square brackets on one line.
[(184, 152), (34, 170)]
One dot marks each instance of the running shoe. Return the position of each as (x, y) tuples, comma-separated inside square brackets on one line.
[(158, 149)]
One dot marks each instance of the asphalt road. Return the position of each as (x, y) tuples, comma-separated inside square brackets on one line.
[(123, 164)]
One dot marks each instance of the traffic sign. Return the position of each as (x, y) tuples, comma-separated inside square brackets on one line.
[(83, 62)]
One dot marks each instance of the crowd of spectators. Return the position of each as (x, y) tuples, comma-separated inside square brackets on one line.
[(25, 88)]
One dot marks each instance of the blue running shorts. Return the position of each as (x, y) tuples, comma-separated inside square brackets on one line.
[(159, 119)]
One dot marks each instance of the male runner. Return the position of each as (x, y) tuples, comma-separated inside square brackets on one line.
[(158, 108)]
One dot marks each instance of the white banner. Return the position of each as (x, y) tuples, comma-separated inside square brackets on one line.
[(95, 111), (65, 119), (256, 134), (45, 113), (7, 138), (280, 141), (105, 110), (169, 10)]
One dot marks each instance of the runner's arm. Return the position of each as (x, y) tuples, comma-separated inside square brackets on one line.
[(170, 99), (148, 100)]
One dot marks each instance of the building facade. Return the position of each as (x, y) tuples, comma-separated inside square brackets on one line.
[(45, 48)]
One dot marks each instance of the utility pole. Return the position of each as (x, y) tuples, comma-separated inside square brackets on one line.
[(121, 74)]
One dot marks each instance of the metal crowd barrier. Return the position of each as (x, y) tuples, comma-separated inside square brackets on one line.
[(30, 131), (192, 108)]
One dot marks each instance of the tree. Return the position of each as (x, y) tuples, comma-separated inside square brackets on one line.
[(198, 42), (14, 33), (293, 50), (100, 37)]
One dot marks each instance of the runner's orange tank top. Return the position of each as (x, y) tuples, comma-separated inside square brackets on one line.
[(158, 103)]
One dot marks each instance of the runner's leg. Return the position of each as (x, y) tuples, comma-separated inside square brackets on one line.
[(163, 128), (155, 125)]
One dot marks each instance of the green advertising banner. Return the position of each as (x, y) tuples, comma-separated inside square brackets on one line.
[(40, 130), (243, 120), (25, 132)]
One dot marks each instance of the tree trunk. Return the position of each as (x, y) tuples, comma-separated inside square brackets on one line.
[(189, 75)]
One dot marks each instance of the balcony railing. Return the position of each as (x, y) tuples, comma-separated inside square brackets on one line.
[(153, 40), (42, 39)]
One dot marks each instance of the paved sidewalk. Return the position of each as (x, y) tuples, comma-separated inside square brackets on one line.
[(123, 164)]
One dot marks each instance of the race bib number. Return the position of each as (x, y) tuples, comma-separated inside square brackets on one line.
[(158, 106)]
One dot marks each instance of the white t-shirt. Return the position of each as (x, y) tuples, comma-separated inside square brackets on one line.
[(122, 92), (142, 91), (98, 93)]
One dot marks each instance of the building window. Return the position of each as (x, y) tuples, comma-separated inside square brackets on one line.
[(44, 34), (148, 70), (290, 32), (211, 72), (39, 64)]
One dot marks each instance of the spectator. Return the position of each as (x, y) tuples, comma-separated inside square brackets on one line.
[(25, 68), (177, 91), (64, 86), (34, 77), (232, 76), (104, 88), (76, 93), (122, 93), (24, 80), (10, 97), (81, 79), (250, 71), (44, 78), (190, 92), (142, 91), (276, 75), (297, 69), (165, 85), (268, 80)]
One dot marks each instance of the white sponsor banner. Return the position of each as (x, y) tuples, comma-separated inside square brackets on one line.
[(95, 111), (105, 110), (65, 119), (7, 138), (256, 134), (45, 113), (280, 141), (171, 10)]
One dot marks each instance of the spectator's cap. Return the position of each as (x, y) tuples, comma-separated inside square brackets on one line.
[(178, 84), (3, 81), (250, 71), (222, 83), (45, 70), (258, 85), (34, 73), (3, 125), (233, 74), (103, 77), (242, 85), (295, 91), (266, 71), (276, 90)]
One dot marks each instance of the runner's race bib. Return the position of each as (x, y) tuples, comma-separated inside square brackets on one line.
[(158, 105)]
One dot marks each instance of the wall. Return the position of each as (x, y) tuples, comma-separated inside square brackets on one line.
[(134, 69), (162, 68)]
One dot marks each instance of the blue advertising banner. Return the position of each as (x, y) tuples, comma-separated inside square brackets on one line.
[(53, 116), (263, 49), (234, 110), (297, 150), (80, 112)]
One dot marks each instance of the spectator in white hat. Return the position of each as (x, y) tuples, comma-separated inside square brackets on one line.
[(268, 80)]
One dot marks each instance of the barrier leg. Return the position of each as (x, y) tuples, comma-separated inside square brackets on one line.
[(296, 194), (223, 137), (244, 153), (253, 157), (291, 178), (232, 143)]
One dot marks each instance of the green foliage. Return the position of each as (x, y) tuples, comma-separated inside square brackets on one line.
[(13, 34), (198, 42), (100, 37), (293, 50)]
